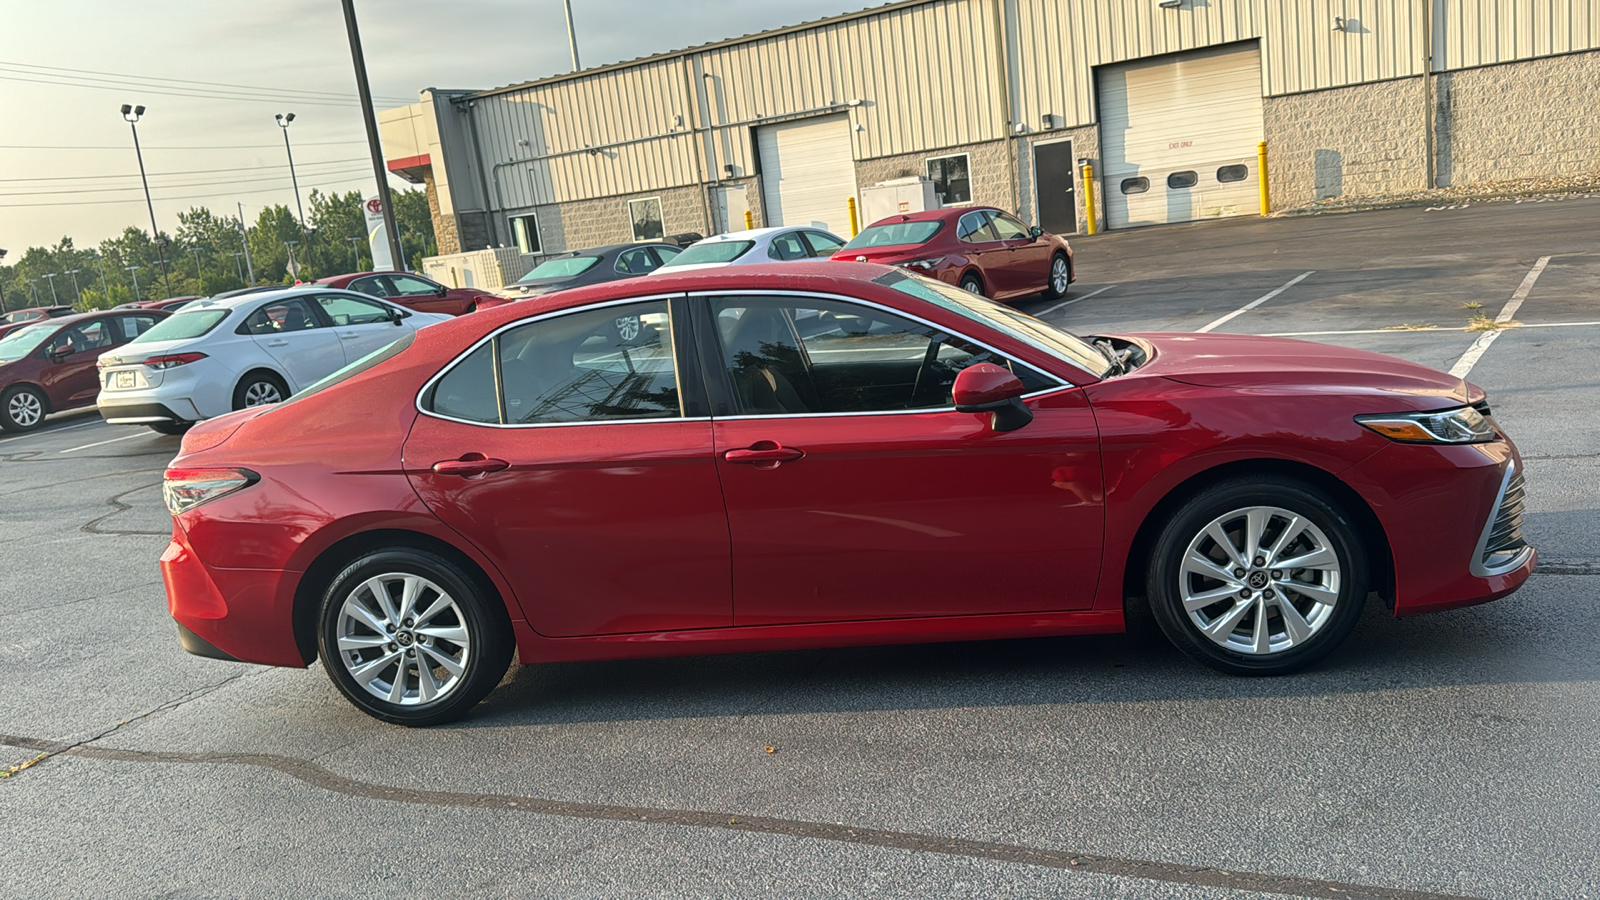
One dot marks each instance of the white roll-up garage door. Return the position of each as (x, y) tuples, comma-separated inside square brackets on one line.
[(808, 173), (1178, 137)]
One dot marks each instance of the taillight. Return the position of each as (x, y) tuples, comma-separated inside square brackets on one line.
[(172, 360), (184, 489), (923, 264)]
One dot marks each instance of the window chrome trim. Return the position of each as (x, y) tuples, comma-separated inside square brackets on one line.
[(905, 315), (1478, 568), (552, 314)]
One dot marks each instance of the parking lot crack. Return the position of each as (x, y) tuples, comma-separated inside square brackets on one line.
[(118, 508)]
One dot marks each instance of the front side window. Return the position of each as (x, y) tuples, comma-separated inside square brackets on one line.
[(1009, 228), (373, 287), (79, 338), (788, 246), (974, 228), (525, 230), (350, 311), (787, 357), (637, 261), (598, 365), (280, 317), (646, 218), (950, 178), (412, 286)]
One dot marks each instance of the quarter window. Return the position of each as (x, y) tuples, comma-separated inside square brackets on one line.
[(468, 391), (1177, 181), (1230, 174), (951, 178), (1135, 185), (835, 357), (525, 231)]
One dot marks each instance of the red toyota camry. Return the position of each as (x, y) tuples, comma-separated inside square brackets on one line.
[(978, 249), (820, 454)]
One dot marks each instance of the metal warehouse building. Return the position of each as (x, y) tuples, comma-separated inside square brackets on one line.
[(1002, 101)]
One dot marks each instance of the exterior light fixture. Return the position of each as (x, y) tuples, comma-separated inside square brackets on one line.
[(1171, 4)]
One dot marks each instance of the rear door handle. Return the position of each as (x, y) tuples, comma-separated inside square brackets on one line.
[(470, 465), (277, 343), (764, 455)]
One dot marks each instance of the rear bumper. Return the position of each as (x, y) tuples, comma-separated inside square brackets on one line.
[(144, 412), (246, 615)]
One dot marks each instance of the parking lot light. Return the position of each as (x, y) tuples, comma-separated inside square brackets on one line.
[(283, 123), (132, 114)]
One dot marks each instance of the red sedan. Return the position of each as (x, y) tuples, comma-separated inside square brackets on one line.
[(17, 318), (415, 292), (821, 454), (979, 249), (49, 365)]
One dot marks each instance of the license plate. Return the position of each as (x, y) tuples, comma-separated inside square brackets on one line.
[(125, 380)]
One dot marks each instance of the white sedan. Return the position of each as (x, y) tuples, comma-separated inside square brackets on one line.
[(759, 245), (215, 356)]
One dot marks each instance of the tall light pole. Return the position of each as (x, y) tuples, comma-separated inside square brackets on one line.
[(101, 261), (77, 295), (199, 275), (33, 287), (52, 279), (370, 118), (355, 254), (244, 243), (237, 265), (132, 114), (572, 37), (2, 286), (283, 123), (134, 271), (294, 266)]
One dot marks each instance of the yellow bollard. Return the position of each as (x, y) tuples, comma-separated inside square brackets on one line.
[(1261, 169), (1088, 199), (855, 226), (749, 220)]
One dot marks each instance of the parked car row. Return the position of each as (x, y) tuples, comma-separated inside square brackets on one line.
[(48, 364)]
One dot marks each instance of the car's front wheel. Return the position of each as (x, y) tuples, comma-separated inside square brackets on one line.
[(22, 408), (1258, 576), (972, 284), (1060, 277), (409, 638)]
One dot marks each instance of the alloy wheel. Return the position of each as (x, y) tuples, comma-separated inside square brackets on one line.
[(25, 410), (403, 639), (1260, 580), (261, 393), (1060, 279)]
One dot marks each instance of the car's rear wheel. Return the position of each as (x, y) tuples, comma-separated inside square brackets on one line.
[(409, 638), (1059, 280), (1258, 577), (972, 284), (22, 408), (259, 389)]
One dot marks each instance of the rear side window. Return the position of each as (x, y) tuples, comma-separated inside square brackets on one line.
[(637, 261), (468, 391), (133, 326)]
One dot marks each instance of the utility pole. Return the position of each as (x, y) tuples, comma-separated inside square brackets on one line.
[(370, 117), (244, 239), (2, 286), (132, 114)]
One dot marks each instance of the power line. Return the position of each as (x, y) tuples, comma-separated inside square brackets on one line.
[(170, 199), (124, 147), (285, 93), (324, 162), (204, 95), (110, 190)]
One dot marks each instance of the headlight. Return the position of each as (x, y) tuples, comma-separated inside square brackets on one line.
[(1452, 426)]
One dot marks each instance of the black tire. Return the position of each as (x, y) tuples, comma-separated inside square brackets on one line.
[(23, 408), (1325, 609), (256, 384), (972, 284), (173, 428), (451, 603), (1051, 292)]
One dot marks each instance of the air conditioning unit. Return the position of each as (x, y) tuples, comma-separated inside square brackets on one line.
[(897, 196)]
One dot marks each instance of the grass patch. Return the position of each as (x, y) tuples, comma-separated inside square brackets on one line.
[(1482, 322), (1472, 304)]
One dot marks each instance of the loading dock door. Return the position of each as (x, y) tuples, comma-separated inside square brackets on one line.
[(808, 173), (1179, 137)]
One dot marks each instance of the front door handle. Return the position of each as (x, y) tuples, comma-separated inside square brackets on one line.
[(764, 455), (470, 465)]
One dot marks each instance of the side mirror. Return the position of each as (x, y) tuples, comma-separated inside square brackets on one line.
[(988, 388), (396, 315), (1036, 232)]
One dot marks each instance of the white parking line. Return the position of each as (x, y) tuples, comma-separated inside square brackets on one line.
[(52, 431), (1052, 309), (1257, 302), (125, 437), (1437, 329), (1479, 346)]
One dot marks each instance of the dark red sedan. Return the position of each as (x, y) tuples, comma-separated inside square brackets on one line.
[(821, 454), (17, 318), (49, 365), (979, 249), (415, 292)]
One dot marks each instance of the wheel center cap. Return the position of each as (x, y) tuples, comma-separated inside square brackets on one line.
[(403, 638), (1258, 579)]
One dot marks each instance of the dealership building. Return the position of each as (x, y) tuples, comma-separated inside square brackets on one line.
[(1155, 107)]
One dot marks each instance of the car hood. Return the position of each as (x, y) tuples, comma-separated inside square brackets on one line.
[(1244, 361)]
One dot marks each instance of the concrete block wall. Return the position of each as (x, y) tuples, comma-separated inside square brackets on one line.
[(987, 168), (1532, 119), (1085, 145), (1354, 141), (605, 220)]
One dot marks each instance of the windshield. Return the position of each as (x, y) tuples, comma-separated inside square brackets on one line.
[(566, 267), (23, 341), (710, 252), (187, 324), (1023, 327), (897, 233)]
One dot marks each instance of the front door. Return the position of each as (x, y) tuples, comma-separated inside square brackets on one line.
[(362, 325), (855, 491), (1055, 187), (1027, 260), (70, 378), (580, 476)]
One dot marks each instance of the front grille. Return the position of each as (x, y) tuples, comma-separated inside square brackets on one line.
[(1505, 539)]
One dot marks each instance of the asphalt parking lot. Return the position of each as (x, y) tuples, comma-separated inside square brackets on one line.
[(1449, 755)]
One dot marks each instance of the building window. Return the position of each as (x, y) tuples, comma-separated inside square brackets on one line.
[(1230, 174), (646, 217), (1180, 180), (951, 178), (525, 229), (1135, 185)]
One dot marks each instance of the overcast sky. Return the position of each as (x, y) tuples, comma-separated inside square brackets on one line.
[(202, 48)]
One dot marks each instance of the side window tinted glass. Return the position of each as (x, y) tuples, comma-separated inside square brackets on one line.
[(821, 244), (599, 365), (467, 391), (975, 227), (350, 311), (788, 246), (1009, 228), (410, 286), (133, 326), (635, 262), (88, 336), (280, 317), (835, 357)]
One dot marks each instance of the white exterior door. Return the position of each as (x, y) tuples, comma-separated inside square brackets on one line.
[(1178, 137), (732, 204), (808, 173)]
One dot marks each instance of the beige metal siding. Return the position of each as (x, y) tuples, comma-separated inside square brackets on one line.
[(1471, 33)]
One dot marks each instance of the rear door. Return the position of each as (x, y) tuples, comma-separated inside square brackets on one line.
[(295, 335), (981, 245)]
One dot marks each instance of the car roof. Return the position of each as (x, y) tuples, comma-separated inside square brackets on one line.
[(933, 215), (91, 315), (332, 280), (755, 234)]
